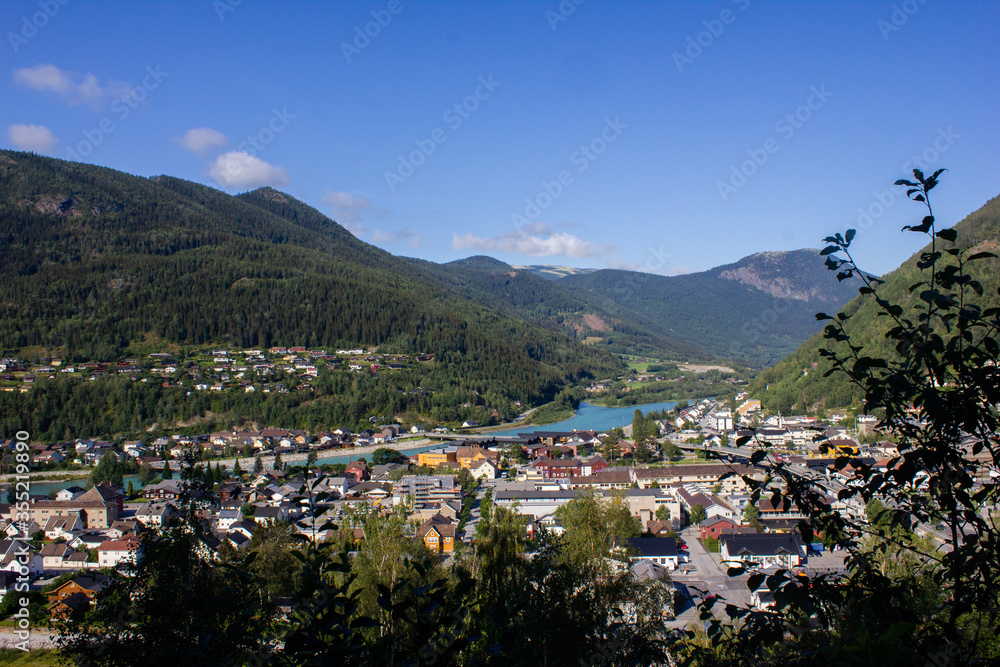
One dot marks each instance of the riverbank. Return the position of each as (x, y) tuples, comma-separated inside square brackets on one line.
[(354, 453), (246, 463)]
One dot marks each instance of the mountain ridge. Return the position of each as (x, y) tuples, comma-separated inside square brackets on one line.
[(798, 381)]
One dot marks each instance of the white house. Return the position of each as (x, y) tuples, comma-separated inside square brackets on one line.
[(114, 552)]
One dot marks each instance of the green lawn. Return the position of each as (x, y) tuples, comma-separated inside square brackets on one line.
[(40, 657), (711, 545)]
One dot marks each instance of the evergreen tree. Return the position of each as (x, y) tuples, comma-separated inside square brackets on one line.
[(258, 465), (278, 464), (698, 514)]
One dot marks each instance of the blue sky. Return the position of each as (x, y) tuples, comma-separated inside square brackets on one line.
[(660, 136)]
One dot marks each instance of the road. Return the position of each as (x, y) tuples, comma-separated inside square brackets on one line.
[(709, 576)]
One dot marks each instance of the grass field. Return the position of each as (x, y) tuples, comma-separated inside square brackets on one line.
[(39, 657)]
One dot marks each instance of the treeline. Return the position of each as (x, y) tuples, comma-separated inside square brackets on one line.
[(63, 408)]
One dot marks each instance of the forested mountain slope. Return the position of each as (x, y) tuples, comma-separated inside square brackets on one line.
[(756, 310), (98, 264), (797, 382)]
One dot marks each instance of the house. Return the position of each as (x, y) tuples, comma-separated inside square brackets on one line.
[(658, 528), (168, 489), (88, 541), (70, 492), (761, 549), (123, 527), (156, 516), (712, 528), (113, 552), (14, 529), (485, 469), (535, 503), (359, 469), (467, 456), (66, 527), (659, 550), (227, 518), (558, 468), (438, 534), (265, 515), (383, 471), (16, 555), (55, 555), (75, 594)]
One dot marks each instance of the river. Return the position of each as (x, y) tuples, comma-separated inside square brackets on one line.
[(588, 417)]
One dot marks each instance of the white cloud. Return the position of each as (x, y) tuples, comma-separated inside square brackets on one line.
[(345, 207), (237, 169), (411, 238), (37, 138), (201, 140), (72, 87), (535, 240)]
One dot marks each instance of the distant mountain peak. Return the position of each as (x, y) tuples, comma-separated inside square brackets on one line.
[(790, 274)]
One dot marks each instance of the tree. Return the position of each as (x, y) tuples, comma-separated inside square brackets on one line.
[(751, 516), (311, 459), (131, 489), (278, 464), (258, 465), (146, 474), (237, 470), (167, 472), (663, 513), (698, 514), (595, 528), (247, 450), (384, 455), (173, 607), (934, 384)]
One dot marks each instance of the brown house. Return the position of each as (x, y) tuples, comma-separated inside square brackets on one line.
[(75, 594)]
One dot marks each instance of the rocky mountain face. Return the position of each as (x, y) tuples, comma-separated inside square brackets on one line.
[(796, 274)]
